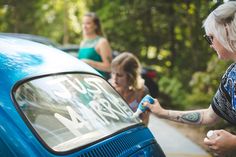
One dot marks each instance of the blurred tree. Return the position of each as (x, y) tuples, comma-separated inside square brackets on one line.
[(16, 16), (166, 35), (55, 19), (205, 83)]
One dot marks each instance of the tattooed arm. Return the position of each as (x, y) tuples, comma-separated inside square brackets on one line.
[(202, 116)]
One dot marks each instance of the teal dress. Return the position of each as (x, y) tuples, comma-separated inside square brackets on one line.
[(87, 51)]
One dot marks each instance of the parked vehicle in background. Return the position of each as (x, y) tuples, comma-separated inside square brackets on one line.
[(148, 74), (52, 104)]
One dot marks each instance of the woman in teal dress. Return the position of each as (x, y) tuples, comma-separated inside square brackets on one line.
[(95, 50)]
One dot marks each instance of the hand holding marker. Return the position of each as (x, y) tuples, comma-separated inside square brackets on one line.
[(142, 108)]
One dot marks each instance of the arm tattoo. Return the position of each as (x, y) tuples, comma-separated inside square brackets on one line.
[(190, 118), (193, 117)]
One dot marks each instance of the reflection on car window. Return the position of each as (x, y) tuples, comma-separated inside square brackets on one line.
[(71, 110)]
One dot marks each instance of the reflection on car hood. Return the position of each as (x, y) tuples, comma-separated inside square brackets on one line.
[(21, 58)]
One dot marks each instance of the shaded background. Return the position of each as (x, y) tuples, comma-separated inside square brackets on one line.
[(165, 35)]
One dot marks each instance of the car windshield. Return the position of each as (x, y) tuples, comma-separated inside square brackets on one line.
[(71, 110)]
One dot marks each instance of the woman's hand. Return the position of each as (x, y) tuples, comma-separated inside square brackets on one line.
[(156, 108), (223, 143)]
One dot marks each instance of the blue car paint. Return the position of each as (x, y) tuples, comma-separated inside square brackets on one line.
[(21, 59)]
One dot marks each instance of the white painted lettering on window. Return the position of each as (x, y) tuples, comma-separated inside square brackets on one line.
[(101, 108), (120, 104), (97, 84), (90, 116), (73, 125), (104, 109), (78, 86), (61, 90)]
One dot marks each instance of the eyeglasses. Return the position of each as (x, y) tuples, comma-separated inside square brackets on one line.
[(208, 38)]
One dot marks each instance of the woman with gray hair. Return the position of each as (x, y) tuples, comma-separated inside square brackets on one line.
[(220, 28)]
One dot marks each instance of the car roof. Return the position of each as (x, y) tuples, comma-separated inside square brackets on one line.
[(21, 58)]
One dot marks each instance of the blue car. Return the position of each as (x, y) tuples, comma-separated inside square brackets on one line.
[(52, 104)]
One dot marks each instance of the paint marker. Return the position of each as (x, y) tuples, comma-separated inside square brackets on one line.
[(142, 108)]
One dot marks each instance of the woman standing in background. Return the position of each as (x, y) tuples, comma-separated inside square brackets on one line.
[(94, 49)]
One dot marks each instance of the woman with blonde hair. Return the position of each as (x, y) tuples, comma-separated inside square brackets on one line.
[(126, 79)]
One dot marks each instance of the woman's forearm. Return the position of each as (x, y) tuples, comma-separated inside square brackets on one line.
[(99, 65), (188, 117), (195, 117)]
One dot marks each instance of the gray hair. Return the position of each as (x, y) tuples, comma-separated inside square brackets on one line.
[(222, 24)]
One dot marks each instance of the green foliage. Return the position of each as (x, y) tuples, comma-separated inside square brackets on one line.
[(199, 91), (205, 83), (174, 89), (166, 35), (55, 19)]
